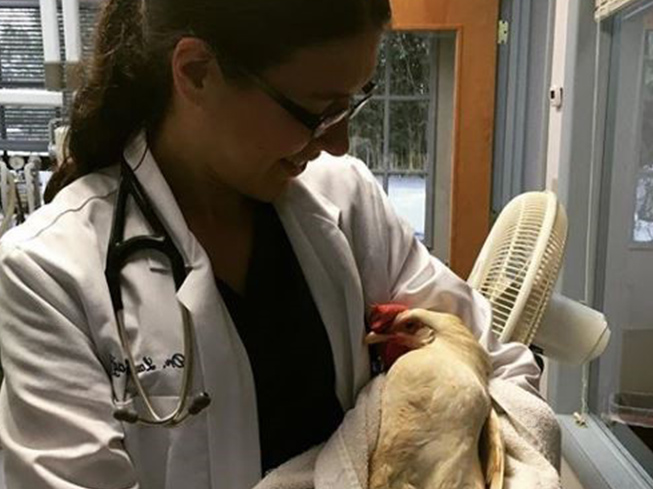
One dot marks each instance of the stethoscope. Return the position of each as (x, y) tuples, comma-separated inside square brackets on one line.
[(118, 254)]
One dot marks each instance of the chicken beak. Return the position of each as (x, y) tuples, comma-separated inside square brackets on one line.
[(373, 338)]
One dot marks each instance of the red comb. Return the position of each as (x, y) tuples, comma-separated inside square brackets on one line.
[(381, 318), (383, 315)]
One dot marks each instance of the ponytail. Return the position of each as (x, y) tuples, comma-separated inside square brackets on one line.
[(115, 100)]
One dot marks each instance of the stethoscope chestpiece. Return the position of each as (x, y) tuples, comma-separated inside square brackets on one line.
[(199, 403)]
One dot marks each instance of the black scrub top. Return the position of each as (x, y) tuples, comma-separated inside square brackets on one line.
[(287, 345)]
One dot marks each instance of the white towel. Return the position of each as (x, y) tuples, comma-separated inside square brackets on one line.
[(297, 473), (531, 436), (529, 428)]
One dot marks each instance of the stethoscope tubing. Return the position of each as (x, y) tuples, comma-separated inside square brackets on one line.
[(118, 252), (180, 413)]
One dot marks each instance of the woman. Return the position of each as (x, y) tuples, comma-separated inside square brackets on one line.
[(232, 116)]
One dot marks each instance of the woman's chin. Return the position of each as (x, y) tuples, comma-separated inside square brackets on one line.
[(291, 169)]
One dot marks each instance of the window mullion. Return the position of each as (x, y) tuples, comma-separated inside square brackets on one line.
[(386, 117)]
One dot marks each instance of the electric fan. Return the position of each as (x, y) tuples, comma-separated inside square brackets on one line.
[(517, 270)]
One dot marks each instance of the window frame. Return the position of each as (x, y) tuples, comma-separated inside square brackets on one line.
[(597, 457), (474, 23)]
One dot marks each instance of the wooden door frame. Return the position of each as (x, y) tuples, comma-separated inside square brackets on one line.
[(475, 25)]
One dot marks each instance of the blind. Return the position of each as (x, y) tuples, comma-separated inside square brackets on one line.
[(605, 8), (21, 66)]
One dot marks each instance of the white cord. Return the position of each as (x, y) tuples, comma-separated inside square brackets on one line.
[(581, 417)]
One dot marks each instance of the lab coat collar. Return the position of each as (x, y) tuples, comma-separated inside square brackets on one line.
[(139, 157), (300, 199)]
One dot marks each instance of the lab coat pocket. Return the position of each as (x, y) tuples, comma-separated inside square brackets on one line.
[(168, 458)]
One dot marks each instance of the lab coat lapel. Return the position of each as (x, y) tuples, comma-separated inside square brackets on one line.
[(221, 363), (311, 223), (233, 418)]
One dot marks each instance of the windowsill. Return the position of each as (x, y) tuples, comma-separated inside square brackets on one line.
[(597, 458)]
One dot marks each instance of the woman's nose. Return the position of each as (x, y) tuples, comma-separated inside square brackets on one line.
[(335, 140)]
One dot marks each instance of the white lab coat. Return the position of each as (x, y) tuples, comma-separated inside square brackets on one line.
[(62, 356)]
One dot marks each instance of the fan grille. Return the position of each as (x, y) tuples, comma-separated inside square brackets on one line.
[(530, 232)]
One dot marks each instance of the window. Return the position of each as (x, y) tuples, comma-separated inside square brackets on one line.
[(395, 134), (622, 380), (21, 66)]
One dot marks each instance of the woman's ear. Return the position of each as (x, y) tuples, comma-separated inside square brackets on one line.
[(192, 64)]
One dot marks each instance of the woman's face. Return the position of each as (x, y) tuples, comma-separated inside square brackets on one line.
[(252, 144)]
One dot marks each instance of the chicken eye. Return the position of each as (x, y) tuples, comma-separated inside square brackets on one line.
[(411, 327)]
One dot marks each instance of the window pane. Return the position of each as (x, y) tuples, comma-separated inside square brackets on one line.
[(380, 78), (646, 148), (623, 376), (408, 138), (366, 135), (88, 16), (643, 232), (23, 124), (411, 64), (643, 225), (21, 46), (408, 196)]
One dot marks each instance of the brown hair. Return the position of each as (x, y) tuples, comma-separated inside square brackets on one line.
[(128, 82)]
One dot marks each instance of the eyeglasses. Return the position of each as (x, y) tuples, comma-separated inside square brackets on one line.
[(318, 124)]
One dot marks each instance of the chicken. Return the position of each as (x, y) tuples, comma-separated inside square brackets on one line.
[(435, 405)]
